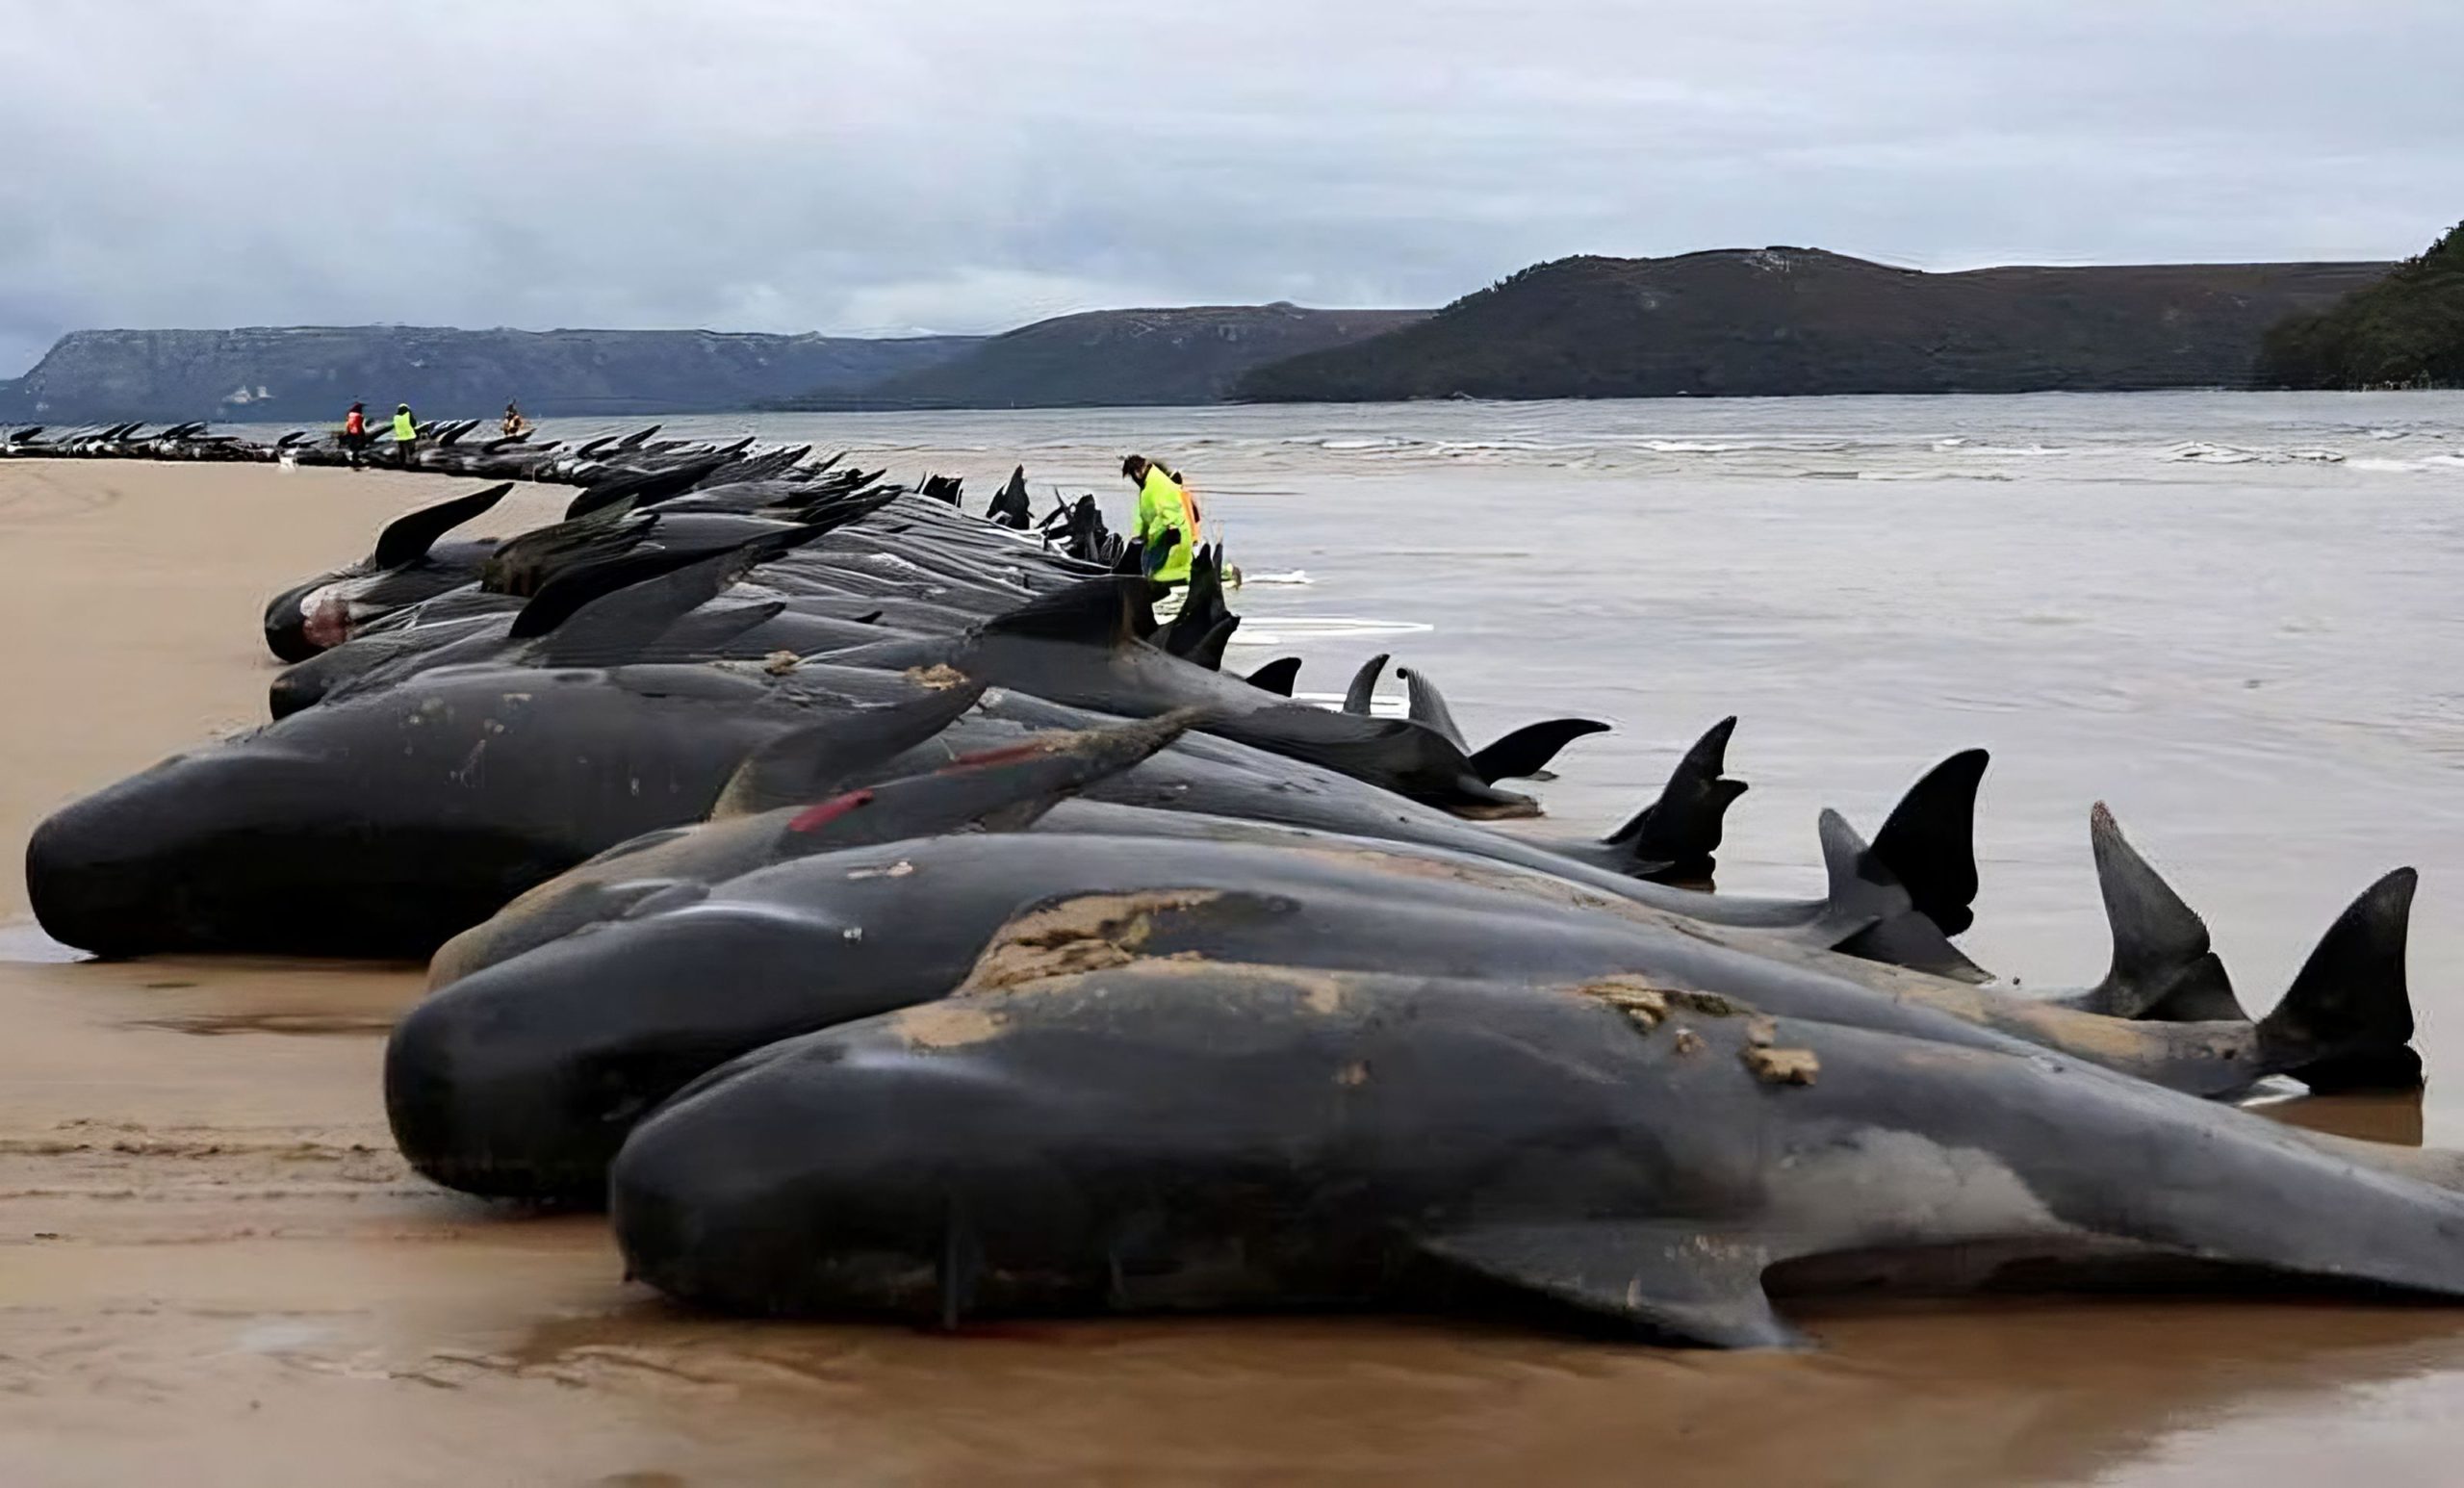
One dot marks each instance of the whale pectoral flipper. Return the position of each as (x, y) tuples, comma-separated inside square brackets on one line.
[(1694, 1283)]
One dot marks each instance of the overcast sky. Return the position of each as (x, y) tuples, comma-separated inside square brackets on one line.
[(970, 164)]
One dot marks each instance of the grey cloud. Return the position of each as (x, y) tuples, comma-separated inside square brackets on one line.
[(969, 164)]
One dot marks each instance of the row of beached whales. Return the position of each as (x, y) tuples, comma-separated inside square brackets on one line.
[(636, 467), (883, 914)]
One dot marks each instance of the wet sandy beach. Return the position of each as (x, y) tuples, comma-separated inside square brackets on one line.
[(213, 1269)]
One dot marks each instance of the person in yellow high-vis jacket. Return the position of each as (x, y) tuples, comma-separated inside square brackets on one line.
[(406, 435), (1167, 520)]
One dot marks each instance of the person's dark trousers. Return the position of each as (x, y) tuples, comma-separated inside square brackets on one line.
[(356, 447), (402, 451)]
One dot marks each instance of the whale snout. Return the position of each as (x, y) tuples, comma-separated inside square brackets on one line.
[(79, 897), (523, 1078), (250, 847), (118, 873), (481, 1101)]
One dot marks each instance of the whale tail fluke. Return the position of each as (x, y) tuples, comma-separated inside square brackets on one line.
[(1676, 839)]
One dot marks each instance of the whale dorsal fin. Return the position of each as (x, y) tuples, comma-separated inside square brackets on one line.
[(1929, 840), (1426, 707), (619, 626), (2163, 965), (1208, 653), (1863, 892), (809, 763), (2347, 1021), (1101, 613), (1526, 753), (1277, 676), (1364, 685)]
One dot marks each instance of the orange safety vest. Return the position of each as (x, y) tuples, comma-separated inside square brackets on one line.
[(354, 423), (1189, 507)]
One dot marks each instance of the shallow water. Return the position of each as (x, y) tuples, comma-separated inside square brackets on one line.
[(2175, 604)]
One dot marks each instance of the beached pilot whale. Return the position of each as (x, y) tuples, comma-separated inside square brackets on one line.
[(916, 732), (519, 1077), (408, 565), (1176, 1135), (1085, 646), (381, 824)]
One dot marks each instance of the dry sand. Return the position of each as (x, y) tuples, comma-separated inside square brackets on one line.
[(213, 1269)]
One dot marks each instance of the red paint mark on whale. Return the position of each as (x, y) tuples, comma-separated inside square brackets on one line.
[(1010, 754), (817, 818)]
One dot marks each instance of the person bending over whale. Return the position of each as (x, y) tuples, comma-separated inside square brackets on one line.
[(1167, 520)]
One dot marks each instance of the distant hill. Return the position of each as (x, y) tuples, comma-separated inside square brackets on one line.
[(1115, 358), (2406, 329), (311, 374), (1800, 321)]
